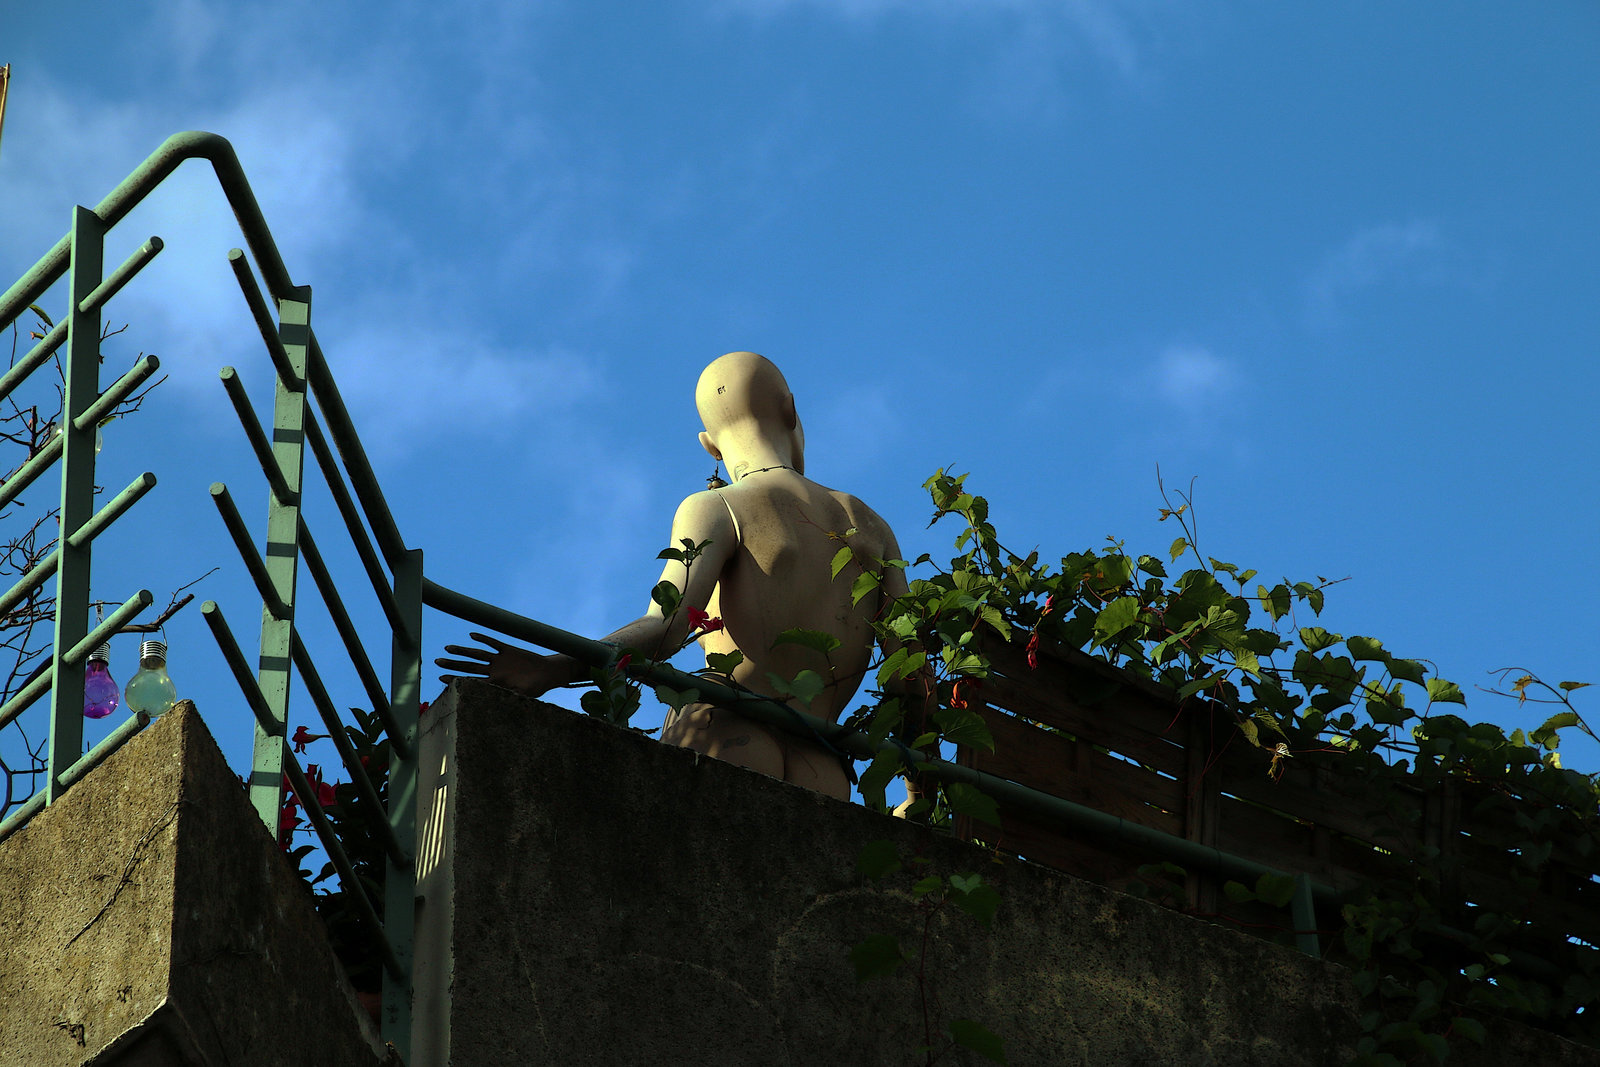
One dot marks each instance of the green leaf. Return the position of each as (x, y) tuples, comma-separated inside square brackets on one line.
[(1274, 601), (877, 957), (39, 311), (1443, 692), (815, 640), (667, 596), (876, 778), (1115, 617), (671, 553), (1365, 648), (1179, 547), (1408, 670), (1247, 662), (971, 801), (724, 662), (1238, 892), (865, 583), (675, 698), (841, 559), (974, 1036), (962, 726), (806, 685), (930, 884), (1471, 1029), (980, 902), (877, 859), (1570, 686), (1315, 638), (1275, 889)]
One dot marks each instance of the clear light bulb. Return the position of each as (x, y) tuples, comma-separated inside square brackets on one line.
[(151, 690), (100, 694)]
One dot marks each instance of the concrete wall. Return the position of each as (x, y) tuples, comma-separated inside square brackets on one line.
[(148, 918), (593, 897)]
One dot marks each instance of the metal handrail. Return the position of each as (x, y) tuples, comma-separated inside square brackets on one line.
[(791, 720), (302, 373)]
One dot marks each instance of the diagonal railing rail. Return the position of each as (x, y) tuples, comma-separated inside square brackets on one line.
[(302, 378)]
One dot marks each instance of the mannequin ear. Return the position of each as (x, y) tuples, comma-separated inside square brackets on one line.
[(710, 446)]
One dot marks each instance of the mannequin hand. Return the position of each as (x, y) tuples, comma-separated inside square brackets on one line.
[(506, 665)]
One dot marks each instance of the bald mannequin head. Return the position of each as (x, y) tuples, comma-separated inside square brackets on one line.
[(749, 414)]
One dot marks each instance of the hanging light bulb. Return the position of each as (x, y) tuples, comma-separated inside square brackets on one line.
[(151, 690), (100, 694)]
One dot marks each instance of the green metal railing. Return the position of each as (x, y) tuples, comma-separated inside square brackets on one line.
[(301, 376), (1043, 806), (83, 406)]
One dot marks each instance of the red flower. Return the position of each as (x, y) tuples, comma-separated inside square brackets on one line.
[(702, 621), (303, 737), (322, 790), (1033, 652), (623, 661), (965, 691), (1049, 604)]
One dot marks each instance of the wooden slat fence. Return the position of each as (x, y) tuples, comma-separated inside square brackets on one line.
[(1085, 731)]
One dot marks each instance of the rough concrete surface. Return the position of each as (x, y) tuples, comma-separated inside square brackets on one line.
[(619, 902), (148, 918)]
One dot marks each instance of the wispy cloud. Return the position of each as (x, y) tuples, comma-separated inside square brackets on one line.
[(1192, 379), (1114, 32), (319, 148), (1382, 255)]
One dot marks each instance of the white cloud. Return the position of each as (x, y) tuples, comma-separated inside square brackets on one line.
[(1192, 378), (1386, 254), (318, 143), (1114, 31)]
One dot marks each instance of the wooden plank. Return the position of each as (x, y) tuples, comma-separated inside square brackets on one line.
[(1077, 772), (1108, 728)]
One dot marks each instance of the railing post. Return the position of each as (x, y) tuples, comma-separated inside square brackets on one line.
[(399, 910), (77, 495), (282, 557)]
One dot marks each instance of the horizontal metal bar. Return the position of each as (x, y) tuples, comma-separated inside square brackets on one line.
[(352, 640), (29, 808), (376, 573), (258, 439), (37, 576), (122, 275), (24, 697), (240, 668), (35, 358), (31, 470), (113, 741), (377, 818), (113, 511), (248, 551), (263, 318), (126, 613), (117, 392), (356, 464), (341, 862), (1020, 798), (41, 571), (172, 152)]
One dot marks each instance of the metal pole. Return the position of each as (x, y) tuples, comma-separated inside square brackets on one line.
[(77, 496), (399, 905), (283, 523)]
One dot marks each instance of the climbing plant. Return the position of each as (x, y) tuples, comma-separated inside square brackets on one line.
[(1253, 649)]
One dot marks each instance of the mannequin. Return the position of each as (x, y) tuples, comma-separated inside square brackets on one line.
[(770, 538)]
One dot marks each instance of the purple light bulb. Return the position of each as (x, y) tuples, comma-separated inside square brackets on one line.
[(100, 695)]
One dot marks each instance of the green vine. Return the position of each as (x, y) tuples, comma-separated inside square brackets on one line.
[(1293, 688)]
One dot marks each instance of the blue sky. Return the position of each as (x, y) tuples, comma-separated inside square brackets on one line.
[(1334, 263)]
